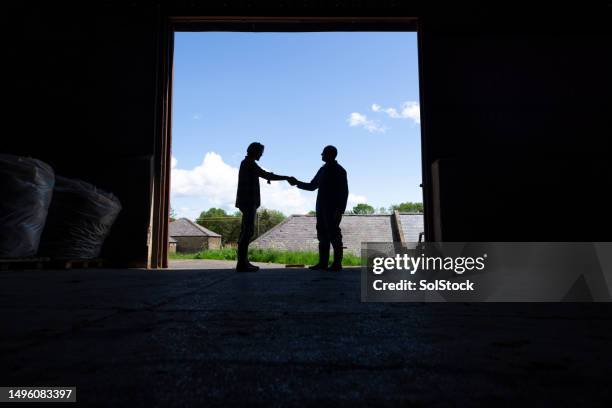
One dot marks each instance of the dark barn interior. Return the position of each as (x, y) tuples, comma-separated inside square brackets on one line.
[(516, 136)]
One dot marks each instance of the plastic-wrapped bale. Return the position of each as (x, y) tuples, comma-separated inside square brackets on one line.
[(80, 218), (26, 188)]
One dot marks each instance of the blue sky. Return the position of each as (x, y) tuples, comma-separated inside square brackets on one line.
[(295, 93)]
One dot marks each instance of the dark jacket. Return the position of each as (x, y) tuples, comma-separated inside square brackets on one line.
[(248, 195), (332, 183)]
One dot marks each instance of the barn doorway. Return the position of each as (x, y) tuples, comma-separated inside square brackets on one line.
[(295, 87)]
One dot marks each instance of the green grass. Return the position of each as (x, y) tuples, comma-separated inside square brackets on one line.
[(267, 255)]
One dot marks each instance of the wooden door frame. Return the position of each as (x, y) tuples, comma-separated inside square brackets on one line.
[(158, 241)]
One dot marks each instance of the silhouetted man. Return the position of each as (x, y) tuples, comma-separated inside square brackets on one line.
[(248, 200), (331, 203)]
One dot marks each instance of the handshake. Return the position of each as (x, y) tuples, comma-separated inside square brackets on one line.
[(291, 180)]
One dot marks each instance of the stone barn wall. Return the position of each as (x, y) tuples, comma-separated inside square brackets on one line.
[(190, 244), (214, 243), (197, 244)]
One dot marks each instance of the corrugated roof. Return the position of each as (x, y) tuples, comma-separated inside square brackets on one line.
[(172, 240), (187, 228), (298, 233)]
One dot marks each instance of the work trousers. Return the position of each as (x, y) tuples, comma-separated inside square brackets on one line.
[(328, 232), (247, 229)]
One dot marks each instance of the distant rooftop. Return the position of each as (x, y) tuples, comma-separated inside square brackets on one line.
[(412, 225), (187, 228), (298, 232)]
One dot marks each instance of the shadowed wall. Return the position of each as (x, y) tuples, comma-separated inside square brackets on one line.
[(516, 110)]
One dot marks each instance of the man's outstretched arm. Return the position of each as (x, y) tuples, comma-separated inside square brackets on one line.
[(274, 177), (313, 185), (269, 175)]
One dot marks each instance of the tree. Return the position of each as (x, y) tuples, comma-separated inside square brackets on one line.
[(266, 220), (312, 212), (363, 208), (172, 215), (228, 225), (217, 220), (213, 212), (407, 207), (382, 210)]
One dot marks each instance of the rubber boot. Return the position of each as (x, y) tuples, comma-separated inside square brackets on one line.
[(323, 258), (337, 264), (242, 254), (243, 264)]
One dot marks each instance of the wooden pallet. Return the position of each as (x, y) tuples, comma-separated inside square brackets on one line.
[(21, 264)]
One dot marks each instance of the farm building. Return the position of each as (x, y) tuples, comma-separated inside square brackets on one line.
[(172, 245), (514, 103), (191, 237), (298, 232)]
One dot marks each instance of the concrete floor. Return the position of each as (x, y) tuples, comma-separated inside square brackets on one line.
[(291, 337), (214, 264)]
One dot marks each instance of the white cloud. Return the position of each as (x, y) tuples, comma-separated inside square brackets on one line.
[(408, 110), (173, 162), (354, 199), (213, 179), (392, 112), (412, 110), (214, 183), (279, 195), (188, 212), (357, 119), (197, 116)]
